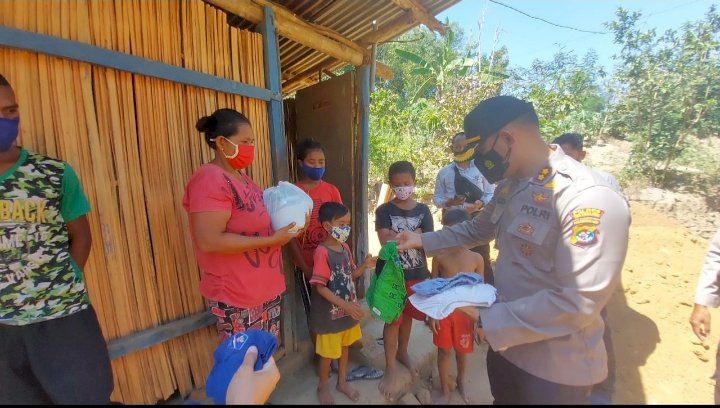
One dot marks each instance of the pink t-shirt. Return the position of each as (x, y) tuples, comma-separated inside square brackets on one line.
[(314, 234), (245, 279)]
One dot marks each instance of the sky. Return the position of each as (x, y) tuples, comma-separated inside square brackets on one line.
[(528, 39)]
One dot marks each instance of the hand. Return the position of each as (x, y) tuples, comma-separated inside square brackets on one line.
[(354, 310), (700, 322), (283, 235), (307, 222), (474, 207), (249, 387), (408, 240), (369, 262), (458, 200), (434, 325)]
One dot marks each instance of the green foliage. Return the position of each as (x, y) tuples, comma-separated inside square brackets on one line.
[(663, 97), (412, 117), (666, 89), (566, 94)]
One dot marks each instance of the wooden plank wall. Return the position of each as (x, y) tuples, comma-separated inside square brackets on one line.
[(133, 142)]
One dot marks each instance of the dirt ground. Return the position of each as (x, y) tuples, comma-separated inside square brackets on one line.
[(659, 360)]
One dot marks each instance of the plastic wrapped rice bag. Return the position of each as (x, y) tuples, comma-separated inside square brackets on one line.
[(285, 204)]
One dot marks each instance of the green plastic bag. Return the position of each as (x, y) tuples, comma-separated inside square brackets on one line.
[(386, 294)]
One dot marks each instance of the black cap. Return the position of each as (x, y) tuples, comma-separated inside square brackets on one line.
[(494, 113)]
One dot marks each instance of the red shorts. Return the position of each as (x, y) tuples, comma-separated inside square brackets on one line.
[(456, 330), (409, 309)]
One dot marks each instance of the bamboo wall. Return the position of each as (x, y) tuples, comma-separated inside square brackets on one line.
[(133, 142)]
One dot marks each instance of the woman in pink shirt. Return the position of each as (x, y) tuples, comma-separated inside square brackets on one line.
[(236, 248)]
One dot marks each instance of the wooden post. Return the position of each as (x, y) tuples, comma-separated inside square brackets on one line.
[(362, 78), (278, 150)]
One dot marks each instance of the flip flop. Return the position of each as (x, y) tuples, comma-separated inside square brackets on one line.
[(364, 372)]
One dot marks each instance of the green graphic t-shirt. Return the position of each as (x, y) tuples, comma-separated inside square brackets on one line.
[(38, 278)]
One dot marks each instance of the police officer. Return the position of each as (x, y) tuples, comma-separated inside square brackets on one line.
[(562, 235), (707, 295)]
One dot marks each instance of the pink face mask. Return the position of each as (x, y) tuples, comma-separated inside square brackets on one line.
[(403, 193)]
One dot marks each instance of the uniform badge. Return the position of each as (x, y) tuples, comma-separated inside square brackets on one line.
[(526, 229), (585, 227), (544, 173), (526, 249), (504, 191), (540, 198)]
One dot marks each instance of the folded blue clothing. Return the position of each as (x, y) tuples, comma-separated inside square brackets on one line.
[(229, 357), (432, 287)]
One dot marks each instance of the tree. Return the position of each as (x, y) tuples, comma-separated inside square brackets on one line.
[(437, 81), (668, 86), (566, 94)]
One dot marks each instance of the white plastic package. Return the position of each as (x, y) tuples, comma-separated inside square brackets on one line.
[(285, 204)]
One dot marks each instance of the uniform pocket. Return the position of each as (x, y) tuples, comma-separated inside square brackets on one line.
[(530, 241)]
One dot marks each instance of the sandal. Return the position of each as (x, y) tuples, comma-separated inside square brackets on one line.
[(364, 372)]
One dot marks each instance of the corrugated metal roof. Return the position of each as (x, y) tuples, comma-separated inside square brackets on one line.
[(350, 18)]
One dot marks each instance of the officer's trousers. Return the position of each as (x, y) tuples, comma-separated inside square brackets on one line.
[(511, 385), (602, 392)]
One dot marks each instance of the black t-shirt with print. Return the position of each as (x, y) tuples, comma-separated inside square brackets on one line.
[(396, 219)]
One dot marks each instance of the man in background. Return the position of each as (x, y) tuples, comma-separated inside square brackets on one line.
[(461, 185)]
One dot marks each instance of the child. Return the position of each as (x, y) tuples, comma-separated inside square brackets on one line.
[(457, 330), (311, 163), (403, 213), (334, 313)]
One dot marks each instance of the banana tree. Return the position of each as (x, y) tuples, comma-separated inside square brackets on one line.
[(445, 66)]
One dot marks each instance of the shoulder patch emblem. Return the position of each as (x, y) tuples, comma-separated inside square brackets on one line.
[(585, 227)]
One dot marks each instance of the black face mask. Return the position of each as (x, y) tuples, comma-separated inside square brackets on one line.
[(492, 165)]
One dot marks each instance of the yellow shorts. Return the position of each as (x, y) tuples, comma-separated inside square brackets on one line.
[(330, 345)]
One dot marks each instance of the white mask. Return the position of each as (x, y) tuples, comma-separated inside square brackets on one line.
[(403, 193)]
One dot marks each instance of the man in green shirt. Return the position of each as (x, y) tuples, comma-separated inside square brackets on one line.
[(51, 346)]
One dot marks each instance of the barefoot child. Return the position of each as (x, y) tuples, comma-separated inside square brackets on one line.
[(334, 312), (457, 330), (403, 213)]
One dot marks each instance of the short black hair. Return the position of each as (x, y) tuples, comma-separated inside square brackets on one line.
[(331, 211), (306, 146), (454, 216), (400, 167), (574, 140), (3, 81), (223, 122)]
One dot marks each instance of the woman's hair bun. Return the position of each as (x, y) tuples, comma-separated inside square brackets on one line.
[(206, 124)]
